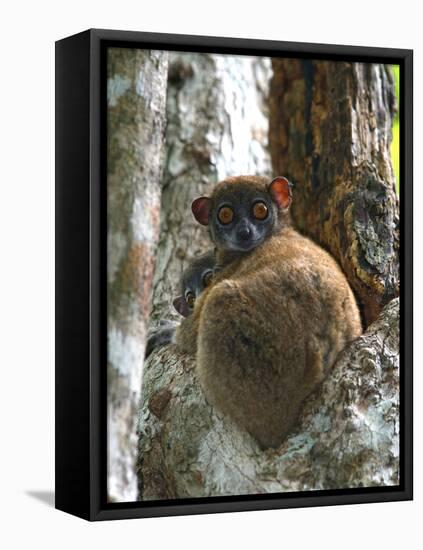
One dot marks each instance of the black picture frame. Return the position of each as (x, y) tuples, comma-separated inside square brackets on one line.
[(81, 268)]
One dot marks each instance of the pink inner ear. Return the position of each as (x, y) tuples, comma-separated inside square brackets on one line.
[(280, 190), (201, 210)]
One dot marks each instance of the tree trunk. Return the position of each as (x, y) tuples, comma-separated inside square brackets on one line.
[(136, 115), (335, 148), (330, 133)]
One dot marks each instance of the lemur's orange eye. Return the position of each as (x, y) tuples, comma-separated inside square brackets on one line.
[(260, 211), (190, 298), (207, 278), (225, 215)]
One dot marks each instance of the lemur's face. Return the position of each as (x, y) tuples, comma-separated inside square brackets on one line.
[(194, 280), (241, 221), (243, 212)]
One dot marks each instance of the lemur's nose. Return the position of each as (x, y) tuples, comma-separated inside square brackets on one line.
[(243, 232)]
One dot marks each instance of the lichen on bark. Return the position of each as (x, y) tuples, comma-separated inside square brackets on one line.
[(136, 94)]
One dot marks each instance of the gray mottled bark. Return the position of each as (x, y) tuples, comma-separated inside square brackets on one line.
[(136, 114)]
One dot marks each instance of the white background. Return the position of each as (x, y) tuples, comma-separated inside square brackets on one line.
[(28, 32)]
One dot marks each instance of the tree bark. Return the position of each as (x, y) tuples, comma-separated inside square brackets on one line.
[(136, 116), (335, 148), (330, 133)]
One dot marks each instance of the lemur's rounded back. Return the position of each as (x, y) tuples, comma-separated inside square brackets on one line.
[(279, 310)]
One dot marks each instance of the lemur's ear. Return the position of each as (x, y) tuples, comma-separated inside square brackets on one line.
[(280, 189), (181, 306), (201, 209)]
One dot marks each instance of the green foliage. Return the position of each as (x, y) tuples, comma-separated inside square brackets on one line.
[(395, 145)]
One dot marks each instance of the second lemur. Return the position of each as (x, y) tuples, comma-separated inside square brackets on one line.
[(277, 313), (195, 278)]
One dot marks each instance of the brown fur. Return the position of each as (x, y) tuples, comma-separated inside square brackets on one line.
[(269, 328)]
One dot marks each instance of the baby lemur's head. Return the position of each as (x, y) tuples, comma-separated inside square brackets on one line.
[(194, 279), (244, 211)]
